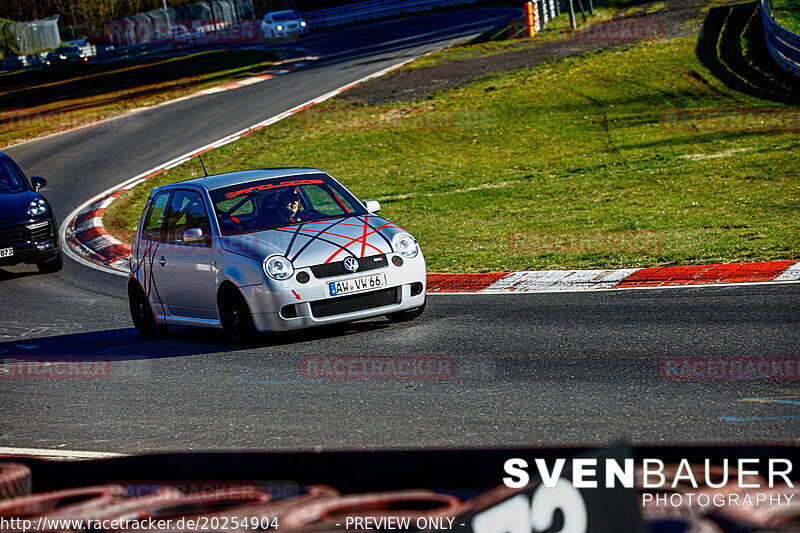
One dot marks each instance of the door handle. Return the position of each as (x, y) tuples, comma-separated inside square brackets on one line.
[(162, 261)]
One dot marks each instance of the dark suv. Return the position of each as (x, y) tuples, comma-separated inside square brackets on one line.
[(28, 230)]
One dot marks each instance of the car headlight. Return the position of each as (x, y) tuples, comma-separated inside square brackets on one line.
[(279, 27), (37, 207), (303, 23), (405, 245), (278, 267)]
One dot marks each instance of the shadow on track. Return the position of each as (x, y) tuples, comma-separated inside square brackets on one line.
[(9, 274), (124, 344)]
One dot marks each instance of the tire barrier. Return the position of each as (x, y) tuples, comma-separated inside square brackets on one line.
[(411, 504), (15, 480), (319, 508), (61, 504), (225, 503)]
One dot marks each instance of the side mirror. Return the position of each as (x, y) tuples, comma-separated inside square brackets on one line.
[(373, 206), (38, 182), (193, 235)]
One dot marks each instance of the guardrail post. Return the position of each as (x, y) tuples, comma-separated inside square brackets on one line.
[(572, 16)]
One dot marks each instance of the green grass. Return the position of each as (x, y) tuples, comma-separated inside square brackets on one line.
[(39, 101), (562, 165), (787, 13)]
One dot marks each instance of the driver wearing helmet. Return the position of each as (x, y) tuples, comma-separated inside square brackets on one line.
[(288, 207)]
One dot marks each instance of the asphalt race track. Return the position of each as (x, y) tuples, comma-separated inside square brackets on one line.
[(528, 370)]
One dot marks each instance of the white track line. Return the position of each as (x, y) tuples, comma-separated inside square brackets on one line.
[(57, 454)]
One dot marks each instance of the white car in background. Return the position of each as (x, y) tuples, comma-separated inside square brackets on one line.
[(279, 25)]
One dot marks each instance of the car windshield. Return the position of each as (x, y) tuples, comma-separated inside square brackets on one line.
[(69, 50), (271, 203), (285, 15), (11, 180)]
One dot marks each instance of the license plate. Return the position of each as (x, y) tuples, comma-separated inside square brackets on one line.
[(349, 286), (6, 252)]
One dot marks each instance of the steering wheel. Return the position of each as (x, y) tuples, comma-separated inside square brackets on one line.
[(232, 222), (311, 214)]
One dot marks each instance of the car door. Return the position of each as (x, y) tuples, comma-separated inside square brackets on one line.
[(184, 273), (151, 239)]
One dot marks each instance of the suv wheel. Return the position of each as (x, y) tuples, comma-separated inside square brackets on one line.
[(234, 315), (142, 314), (51, 265)]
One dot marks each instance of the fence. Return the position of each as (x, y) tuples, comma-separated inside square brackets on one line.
[(548, 10), (782, 44), (178, 22), (32, 36)]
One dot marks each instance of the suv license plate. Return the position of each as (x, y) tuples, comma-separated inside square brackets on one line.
[(349, 286)]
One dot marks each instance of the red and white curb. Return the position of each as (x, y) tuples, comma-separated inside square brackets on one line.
[(629, 278), (297, 63)]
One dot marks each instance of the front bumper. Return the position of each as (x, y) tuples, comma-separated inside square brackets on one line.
[(287, 33), (270, 301), (31, 242), (30, 253)]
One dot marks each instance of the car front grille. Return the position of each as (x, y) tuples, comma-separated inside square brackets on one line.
[(39, 231), (12, 235), (355, 302), (328, 270)]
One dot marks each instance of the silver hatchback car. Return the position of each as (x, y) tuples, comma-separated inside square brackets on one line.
[(269, 250)]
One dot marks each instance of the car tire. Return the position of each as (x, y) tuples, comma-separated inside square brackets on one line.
[(234, 314), (142, 314), (51, 265), (405, 316)]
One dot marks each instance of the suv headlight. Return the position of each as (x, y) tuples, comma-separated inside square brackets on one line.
[(37, 207), (278, 267), (279, 27), (405, 245), (303, 23)]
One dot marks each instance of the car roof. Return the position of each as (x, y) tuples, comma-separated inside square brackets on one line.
[(218, 181), (284, 12)]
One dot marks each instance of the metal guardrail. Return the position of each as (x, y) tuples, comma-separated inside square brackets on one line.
[(782, 44)]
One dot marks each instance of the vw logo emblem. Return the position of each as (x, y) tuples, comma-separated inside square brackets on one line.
[(351, 264)]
